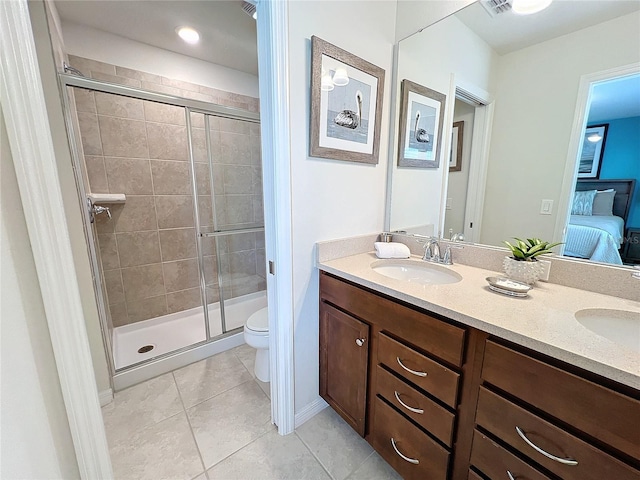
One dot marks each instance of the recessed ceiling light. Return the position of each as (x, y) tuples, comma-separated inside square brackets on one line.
[(188, 34), (527, 7)]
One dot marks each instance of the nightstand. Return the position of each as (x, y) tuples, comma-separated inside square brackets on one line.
[(631, 246)]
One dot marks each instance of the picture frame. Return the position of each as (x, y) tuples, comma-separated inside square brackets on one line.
[(421, 121), (457, 135), (592, 151), (346, 105)]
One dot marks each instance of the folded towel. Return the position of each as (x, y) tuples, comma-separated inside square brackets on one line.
[(391, 250)]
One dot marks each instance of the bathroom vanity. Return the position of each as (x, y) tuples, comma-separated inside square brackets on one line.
[(443, 394)]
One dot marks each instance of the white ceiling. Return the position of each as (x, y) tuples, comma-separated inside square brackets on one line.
[(508, 32), (227, 33)]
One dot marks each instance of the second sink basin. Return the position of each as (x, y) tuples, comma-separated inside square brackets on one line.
[(422, 273), (619, 326)]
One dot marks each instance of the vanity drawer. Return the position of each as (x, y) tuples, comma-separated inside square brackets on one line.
[(473, 476), (434, 418), (438, 380), (602, 413), (501, 417), (440, 338), (424, 458), (494, 461)]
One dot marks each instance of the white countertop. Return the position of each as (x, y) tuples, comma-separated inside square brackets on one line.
[(544, 321)]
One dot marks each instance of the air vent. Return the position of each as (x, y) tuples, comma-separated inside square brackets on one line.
[(496, 7), (249, 9)]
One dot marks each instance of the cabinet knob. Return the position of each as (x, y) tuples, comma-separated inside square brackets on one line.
[(360, 341)]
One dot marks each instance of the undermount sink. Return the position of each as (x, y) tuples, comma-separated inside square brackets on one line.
[(422, 273), (619, 326)]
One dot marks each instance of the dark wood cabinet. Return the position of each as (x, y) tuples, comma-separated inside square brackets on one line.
[(631, 247), (344, 356), (441, 401)]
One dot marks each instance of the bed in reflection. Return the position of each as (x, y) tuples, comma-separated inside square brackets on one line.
[(598, 218)]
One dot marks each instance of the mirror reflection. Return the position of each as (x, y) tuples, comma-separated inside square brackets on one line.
[(532, 94)]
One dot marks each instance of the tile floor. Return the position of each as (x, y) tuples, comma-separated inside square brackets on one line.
[(211, 421)]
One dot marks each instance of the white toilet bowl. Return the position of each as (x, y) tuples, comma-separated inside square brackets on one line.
[(256, 335)]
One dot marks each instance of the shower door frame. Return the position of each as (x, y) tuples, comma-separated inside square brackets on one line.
[(190, 106)]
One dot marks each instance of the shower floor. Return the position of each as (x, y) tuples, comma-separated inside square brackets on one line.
[(181, 329)]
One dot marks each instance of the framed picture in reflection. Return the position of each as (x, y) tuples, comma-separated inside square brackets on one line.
[(421, 121), (593, 143), (455, 158)]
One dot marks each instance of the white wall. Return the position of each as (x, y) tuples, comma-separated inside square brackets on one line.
[(534, 113), (330, 198), (105, 47), (35, 441), (457, 182), (417, 193)]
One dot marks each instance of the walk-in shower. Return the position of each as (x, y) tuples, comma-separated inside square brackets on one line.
[(177, 243)]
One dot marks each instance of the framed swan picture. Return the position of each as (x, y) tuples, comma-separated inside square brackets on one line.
[(346, 105), (421, 120)]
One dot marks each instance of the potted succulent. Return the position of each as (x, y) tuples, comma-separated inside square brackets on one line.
[(523, 265)]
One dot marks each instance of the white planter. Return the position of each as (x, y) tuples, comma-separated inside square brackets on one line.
[(522, 271)]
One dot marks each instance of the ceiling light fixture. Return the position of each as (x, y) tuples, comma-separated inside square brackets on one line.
[(326, 83), (594, 137), (528, 7), (340, 78), (188, 34)]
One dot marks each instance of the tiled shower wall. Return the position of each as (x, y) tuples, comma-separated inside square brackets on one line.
[(139, 148)]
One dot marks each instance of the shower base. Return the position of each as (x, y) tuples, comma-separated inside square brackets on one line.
[(178, 330)]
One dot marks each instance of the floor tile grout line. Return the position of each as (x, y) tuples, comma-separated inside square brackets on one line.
[(238, 450), (193, 435), (295, 432), (359, 466), (216, 395)]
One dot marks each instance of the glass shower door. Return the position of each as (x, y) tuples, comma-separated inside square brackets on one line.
[(231, 217)]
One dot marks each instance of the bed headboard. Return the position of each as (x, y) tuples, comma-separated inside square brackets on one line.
[(623, 188)]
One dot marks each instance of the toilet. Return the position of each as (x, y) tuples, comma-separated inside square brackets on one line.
[(256, 335)]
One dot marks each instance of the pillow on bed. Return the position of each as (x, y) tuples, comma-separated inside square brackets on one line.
[(603, 202), (583, 202)]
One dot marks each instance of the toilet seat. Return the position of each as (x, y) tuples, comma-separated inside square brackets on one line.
[(259, 321)]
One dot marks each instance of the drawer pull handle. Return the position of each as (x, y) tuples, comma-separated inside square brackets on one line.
[(415, 461), (564, 461), (419, 374), (510, 475), (411, 409), (360, 341)]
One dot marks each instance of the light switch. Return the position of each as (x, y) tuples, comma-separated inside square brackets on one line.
[(546, 207), (448, 206)]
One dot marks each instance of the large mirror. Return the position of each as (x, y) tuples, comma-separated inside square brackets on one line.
[(529, 95)]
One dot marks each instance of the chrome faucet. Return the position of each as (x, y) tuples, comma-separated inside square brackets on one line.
[(432, 252)]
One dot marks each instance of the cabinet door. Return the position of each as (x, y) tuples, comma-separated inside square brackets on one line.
[(344, 354)]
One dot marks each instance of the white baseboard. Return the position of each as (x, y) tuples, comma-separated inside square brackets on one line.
[(105, 397), (310, 411)]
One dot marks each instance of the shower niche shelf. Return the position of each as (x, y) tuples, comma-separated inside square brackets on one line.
[(106, 198)]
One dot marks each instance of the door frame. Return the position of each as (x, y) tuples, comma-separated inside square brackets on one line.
[(478, 158), (583, 103), (24, 109), (273, 77)]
